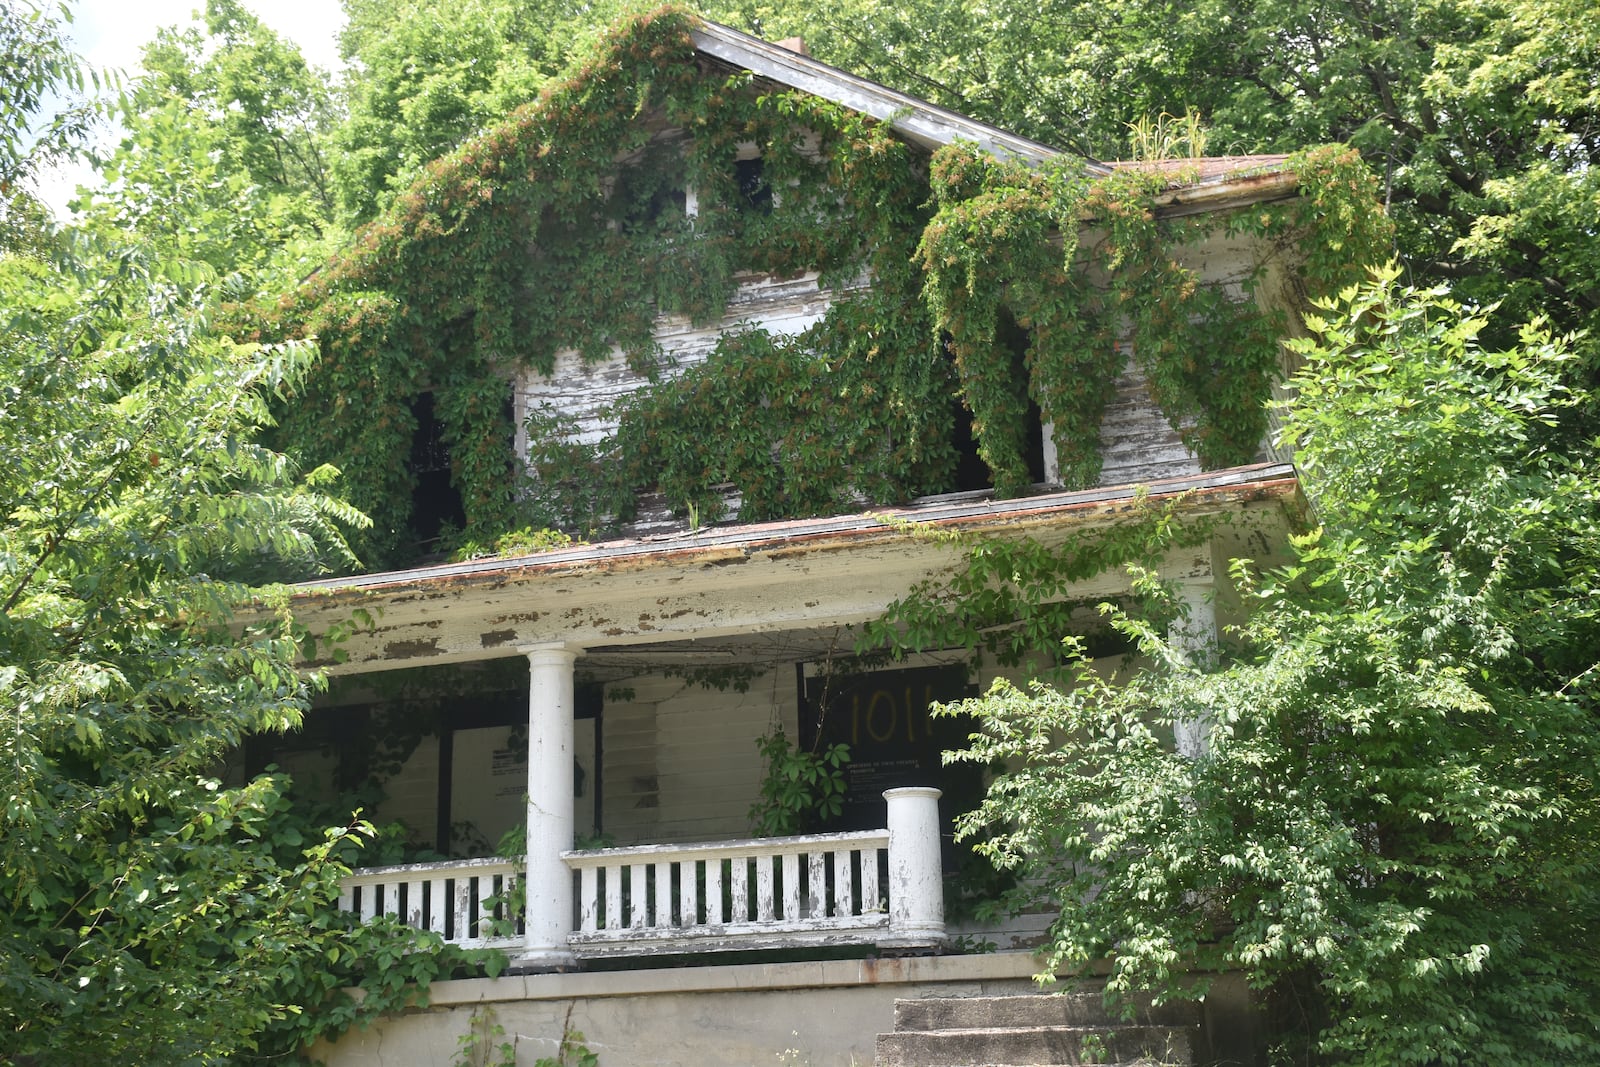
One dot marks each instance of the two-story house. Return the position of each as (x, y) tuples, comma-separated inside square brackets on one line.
[(748, 327)]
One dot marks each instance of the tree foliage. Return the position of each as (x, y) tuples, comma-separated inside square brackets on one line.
[(1392, 829), (43, 113), (136, 886), (1482, 119), (425, 78), (154, 910), (222, 159)]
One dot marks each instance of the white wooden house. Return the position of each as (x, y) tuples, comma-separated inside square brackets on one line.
[(622, 744)]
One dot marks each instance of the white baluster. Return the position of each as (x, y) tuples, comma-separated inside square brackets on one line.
[(739, 889), (661, 883), (614, 916), (791, 887), (870, 896), (764, 888), (688, 894), (843, 884), (588, 902), (638, 897), (817, 892), (714, 913), (438, 908)]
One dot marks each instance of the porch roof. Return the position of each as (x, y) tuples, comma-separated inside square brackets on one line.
[(732, 579)]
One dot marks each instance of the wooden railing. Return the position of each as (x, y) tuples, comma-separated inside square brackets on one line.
[(466, 902), (765, 893), (871, 887)]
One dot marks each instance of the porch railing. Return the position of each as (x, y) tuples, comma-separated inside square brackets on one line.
[(770, 892), (870, 887), (467, 902)]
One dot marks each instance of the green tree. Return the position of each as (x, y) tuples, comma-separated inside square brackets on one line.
[(41, 75), (1483, 119), (1392, 828), (426, 77), (151, 912), (222, 161)]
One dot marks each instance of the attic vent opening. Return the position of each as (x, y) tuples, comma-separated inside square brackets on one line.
[(435, 501)]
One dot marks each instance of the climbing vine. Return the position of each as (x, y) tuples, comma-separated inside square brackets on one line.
[(619, 196), (1079, 262)]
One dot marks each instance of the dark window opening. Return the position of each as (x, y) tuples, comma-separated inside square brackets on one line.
[(435, 501), (362, 753), (971, 471), (755, 192), (643, 212)]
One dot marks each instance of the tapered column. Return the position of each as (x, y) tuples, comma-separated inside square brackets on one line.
[(548, 917), (916, 884), (1195, 637)]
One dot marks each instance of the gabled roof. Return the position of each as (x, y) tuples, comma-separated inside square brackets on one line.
[(1197, 185), (916, 120)]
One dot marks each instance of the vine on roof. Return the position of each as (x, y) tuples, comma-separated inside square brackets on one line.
[(566, 228)]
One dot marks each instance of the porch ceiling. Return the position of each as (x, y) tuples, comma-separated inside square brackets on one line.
[(729, 593)]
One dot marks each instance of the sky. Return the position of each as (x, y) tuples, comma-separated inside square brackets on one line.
[(111, 33)]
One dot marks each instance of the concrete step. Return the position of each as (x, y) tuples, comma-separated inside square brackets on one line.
[(1061, 1009), (1024, 1046)]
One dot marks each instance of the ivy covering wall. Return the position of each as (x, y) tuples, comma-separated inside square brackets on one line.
[(565, 228)]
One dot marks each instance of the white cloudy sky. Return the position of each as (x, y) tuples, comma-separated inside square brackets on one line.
[(110, 34)]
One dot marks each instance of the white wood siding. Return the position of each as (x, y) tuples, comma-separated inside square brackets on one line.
[(681, 761), (582, 396), (1137, 442)]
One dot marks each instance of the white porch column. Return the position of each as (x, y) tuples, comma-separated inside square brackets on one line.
[(916, 884), (548, 883), (1196, 639)]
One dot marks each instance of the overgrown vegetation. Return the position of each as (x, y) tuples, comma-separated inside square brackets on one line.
[(155, 912), (799, 788), (1390, 829), (1396, 819), (546, 234)]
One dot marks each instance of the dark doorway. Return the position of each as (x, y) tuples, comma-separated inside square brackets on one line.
[(971, 471), (894, 742), (435, 501)]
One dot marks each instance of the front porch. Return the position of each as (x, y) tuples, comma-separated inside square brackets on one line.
[(604, 724), (633, 684), (880, 887)]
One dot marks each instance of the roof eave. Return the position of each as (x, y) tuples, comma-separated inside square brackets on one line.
[(1226, 194), (1267, 481), (916, 120)]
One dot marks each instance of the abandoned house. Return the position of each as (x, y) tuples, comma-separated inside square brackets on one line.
[(747, 328)]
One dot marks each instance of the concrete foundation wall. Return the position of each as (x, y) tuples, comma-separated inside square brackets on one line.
[(815, 1014)]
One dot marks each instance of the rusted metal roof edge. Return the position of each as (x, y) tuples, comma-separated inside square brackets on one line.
[(1222, 194), (1209, 490), (1254, 179)]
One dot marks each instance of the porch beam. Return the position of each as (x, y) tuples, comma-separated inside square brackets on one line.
[(551, 821)]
